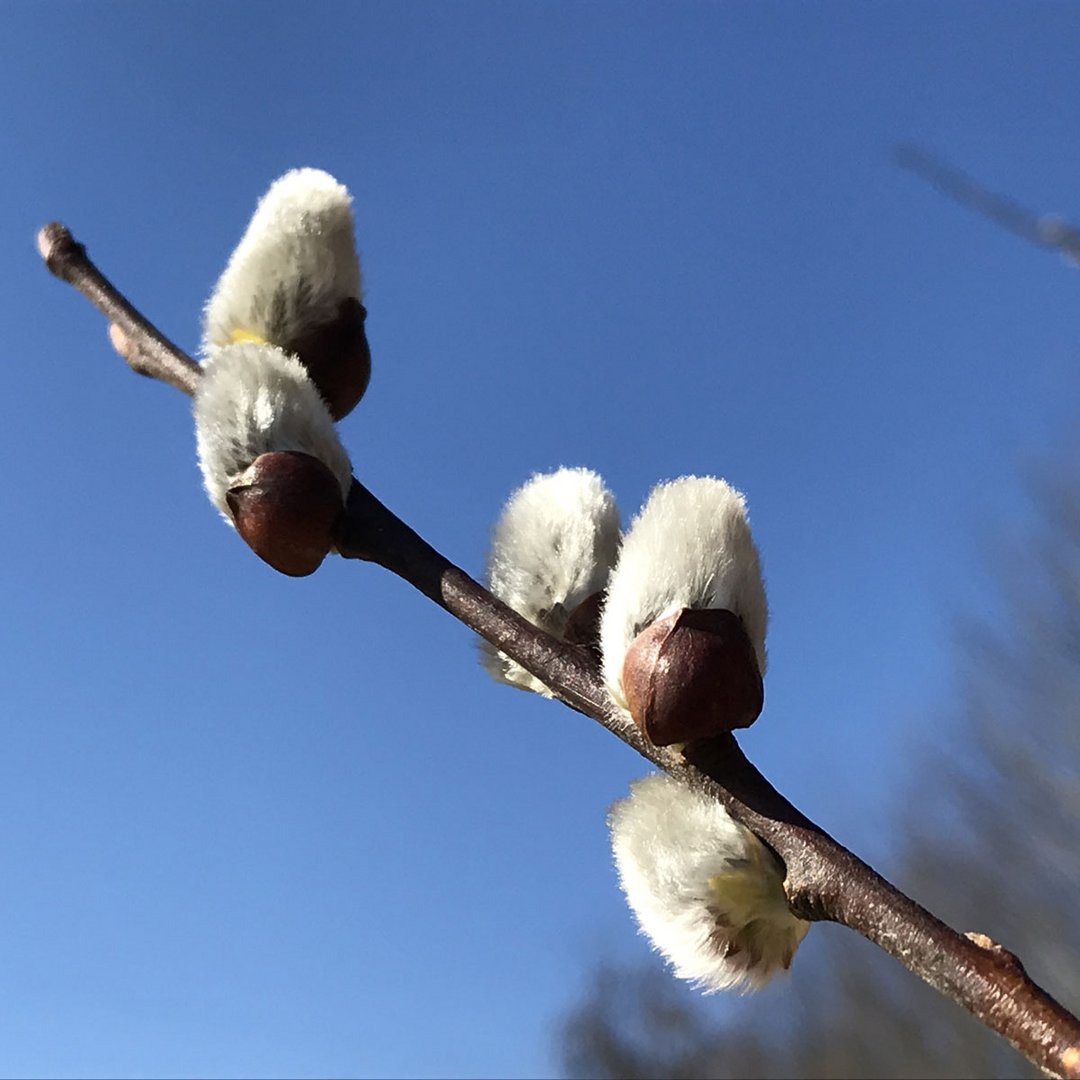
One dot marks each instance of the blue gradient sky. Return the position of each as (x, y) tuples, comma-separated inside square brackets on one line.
[(252, 825)]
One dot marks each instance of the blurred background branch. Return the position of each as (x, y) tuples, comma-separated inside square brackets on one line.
[(1045, 230)]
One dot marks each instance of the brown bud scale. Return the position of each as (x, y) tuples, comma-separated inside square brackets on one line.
[(287, 510), (692, 675), (337, 358)]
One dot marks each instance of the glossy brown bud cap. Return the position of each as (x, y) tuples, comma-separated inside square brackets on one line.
[(287, 510), (337, 358), (692, 675)]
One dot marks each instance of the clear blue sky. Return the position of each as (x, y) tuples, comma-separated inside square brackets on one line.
[(252, 825)]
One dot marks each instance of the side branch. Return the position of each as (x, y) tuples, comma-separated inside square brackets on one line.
[(824, 881)]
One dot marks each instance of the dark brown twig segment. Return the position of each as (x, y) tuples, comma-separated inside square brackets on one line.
[(824, 881)]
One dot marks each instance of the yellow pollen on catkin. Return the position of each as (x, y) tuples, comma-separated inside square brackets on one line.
[(241, 335)]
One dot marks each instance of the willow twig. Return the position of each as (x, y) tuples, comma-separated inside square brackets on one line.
[(825, 881)]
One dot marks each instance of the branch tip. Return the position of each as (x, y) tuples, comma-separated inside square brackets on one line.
[(57, 246)]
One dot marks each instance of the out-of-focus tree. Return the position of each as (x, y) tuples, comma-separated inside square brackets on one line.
[(991, 840)]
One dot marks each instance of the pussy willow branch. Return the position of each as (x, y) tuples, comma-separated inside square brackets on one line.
[(824, 881)]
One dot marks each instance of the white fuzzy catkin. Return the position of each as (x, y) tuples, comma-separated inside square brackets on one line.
[(689, 547), (704, 889), (253, 399), (293, 267), (552, 547)]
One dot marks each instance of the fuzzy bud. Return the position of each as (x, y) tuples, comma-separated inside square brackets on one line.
[(294, 281), (270, 456), (683, 629), (705, 890), (551, 551)]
